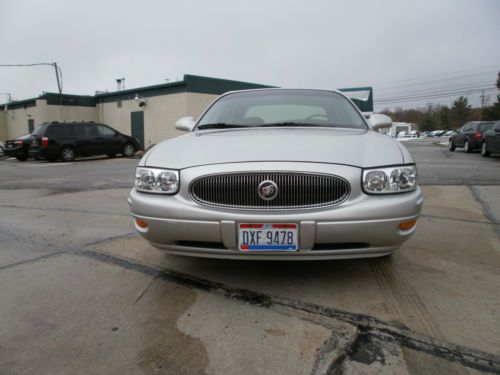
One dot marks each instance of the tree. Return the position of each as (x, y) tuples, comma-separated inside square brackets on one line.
[(460, 111), (429, 121), (444, 115), (493, 112)]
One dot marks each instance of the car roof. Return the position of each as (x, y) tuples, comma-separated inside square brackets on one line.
[(282, 89)]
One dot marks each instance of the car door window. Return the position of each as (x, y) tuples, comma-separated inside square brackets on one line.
[(105, 131), (91, 130)]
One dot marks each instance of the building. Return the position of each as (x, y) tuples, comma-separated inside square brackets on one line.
[(147, 113)]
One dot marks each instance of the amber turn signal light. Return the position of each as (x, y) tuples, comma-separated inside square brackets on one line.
[(408, 224), (141, 223)]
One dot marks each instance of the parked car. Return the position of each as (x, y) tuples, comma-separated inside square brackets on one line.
[(2, 148), (434, 133), (65, 141), (469, 136), (18, 147), (491, 140), (278, 174)]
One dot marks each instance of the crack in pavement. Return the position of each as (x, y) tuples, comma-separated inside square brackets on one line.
[(483, 222), (487, 211), (371, 326), (65, 210)]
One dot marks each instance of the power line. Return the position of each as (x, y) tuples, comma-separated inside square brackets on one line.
[(434, 87), (423, 98), (444, 88), (435, 81), (57, 69), (431, 93), (437, 75)]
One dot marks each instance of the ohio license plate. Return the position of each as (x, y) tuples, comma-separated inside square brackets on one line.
[(268, 237)]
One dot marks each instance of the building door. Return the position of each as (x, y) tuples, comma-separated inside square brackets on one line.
[(31, 125), (137, 126)]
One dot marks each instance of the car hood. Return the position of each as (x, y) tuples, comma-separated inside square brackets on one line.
[(360, 148)]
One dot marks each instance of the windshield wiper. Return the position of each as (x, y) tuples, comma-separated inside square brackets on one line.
[(220, 125), (286, 123)]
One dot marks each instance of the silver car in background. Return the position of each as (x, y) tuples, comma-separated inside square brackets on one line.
[(278, 174)]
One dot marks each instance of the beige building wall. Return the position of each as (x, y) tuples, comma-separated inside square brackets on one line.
[(3, 126), (64, 113), (16, 120), (160, 114), (197, 103)]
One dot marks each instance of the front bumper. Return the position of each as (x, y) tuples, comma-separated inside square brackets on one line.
[(362, 226)]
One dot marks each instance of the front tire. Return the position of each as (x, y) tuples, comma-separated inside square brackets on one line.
[(467, 148), (22, 158), (484, 150), (67, 154), (128, 150), (451, 145)]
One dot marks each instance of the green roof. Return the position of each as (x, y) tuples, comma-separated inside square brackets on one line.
[(190, 83)]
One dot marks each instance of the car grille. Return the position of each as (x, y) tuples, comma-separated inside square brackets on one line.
[(295, 190)]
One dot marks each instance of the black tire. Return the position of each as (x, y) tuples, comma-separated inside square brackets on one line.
[(111, 156), (22, 158), (451, 145), (67, 153), (484, 150), (128, 150), (467, 148)]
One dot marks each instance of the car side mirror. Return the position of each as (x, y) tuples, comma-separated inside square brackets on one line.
[(379, 121), (185, 124)]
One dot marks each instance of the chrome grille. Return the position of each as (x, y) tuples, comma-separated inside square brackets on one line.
[(295, 190)]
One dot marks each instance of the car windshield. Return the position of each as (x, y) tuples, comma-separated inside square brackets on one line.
[(273, 108)]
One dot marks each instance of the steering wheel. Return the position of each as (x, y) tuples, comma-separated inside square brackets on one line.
[(317, 115)]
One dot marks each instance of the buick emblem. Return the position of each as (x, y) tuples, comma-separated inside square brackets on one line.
[(268, 190)]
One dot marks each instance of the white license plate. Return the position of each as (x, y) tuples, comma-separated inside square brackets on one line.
[(268, 237)]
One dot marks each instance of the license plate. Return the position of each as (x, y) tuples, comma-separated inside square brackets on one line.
[(268, 237)]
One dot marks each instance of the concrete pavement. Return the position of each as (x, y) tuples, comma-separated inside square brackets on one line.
[(81, 293)]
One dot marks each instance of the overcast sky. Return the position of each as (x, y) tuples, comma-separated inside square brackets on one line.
[(401, 48)]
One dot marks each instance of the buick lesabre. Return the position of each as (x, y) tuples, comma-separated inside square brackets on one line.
[(278, 174)]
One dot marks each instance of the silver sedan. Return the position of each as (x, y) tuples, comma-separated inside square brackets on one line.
[(278, 174)]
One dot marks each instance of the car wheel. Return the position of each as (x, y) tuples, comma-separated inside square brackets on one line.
[(467, 147), (484, 150), (451, 145), (67, 153), (111, 155), (22, 158), (128, 150)]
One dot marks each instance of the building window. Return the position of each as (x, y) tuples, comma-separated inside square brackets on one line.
[(119, 104)]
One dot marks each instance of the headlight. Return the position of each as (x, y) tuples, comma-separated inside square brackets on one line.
[(154, 180), (389, 180)]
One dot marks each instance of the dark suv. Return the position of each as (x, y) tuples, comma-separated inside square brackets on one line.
[(65, 140), (470, 136)]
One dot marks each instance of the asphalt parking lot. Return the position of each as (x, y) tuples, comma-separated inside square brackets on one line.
[(82, 293)]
